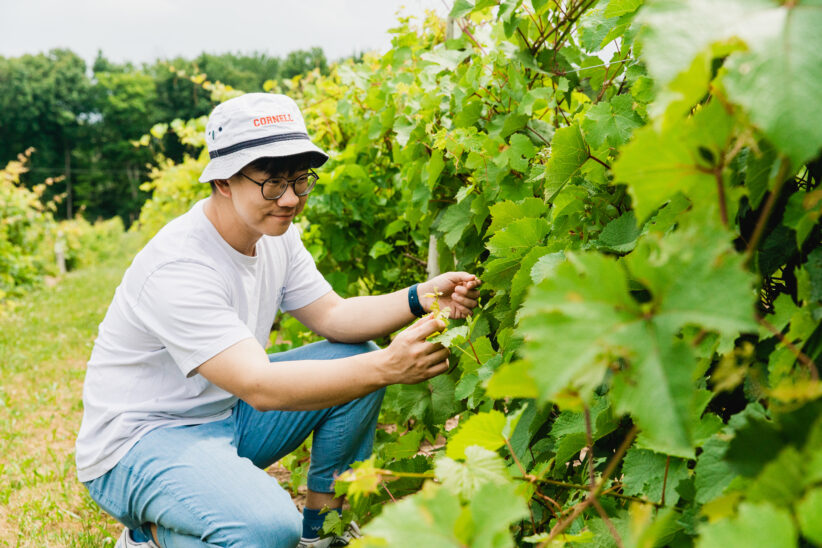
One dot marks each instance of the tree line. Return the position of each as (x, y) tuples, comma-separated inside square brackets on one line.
[(82, 119)]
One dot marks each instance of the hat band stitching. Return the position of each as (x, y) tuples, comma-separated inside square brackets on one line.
[(257, 142)]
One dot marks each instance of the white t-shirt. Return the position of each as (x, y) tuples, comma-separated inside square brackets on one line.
[(187, 296)]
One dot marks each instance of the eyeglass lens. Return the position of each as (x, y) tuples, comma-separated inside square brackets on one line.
[(276, 187)]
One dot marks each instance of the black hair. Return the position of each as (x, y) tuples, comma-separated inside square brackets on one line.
[(272, 166)]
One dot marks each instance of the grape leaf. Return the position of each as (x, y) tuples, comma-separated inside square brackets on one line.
[(620, 234), (482, 429), (518, 237), (481, 466), (611, 122), (644, 472), (783, 49), (568, 153), (754, 525)]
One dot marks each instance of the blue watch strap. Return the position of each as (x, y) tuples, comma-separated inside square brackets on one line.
[(414, 302)]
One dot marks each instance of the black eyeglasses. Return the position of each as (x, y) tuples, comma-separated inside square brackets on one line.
[(275, 187)]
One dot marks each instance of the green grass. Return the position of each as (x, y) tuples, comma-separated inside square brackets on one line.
[(45, 341)]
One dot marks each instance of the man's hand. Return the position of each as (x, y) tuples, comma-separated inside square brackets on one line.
[(458, 293), (411, 358)]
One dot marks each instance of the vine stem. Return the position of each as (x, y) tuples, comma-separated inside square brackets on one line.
[(720, 189), (604, 515), (384, 486), (474, 350), (665, 479), (580, 507), (414, 258), (766, 212), (597, 160), (589, 438), (801, 356)]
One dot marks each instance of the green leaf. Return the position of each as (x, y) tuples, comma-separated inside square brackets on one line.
[(808, 511), (784, 48), (656, 166), (611, 122), (428, 518), (450, 337), (454, 221), (518, 237), (619, 235), (482, 429), (522, 279), (681, 276), (481, 466), (545, 266), (492, 521), (568, 153), (644, 472), (405, 447), (512, 380), (569, 432), (760, 173), (505, 212), (461, 8), (803, 213), (755, 525), (658, 391), (621, 7), (380, 248), (573, 320), (712, 473)]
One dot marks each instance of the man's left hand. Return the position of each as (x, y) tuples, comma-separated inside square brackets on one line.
[(458, 292)]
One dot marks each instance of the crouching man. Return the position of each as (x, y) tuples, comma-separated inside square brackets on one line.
[(183, 409)]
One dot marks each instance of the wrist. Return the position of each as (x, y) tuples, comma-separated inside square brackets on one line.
[(381, 366), (415, 300)]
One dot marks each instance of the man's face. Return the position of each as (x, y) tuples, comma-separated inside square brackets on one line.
[(270, 217)]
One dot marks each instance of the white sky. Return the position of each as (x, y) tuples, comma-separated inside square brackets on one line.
[(144, 30)]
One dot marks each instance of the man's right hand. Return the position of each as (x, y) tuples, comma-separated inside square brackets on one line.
[(411, 358)]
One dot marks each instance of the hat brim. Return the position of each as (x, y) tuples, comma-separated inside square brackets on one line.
[(224, 167)]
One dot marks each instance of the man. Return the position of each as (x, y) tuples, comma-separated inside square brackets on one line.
[(183, 409)]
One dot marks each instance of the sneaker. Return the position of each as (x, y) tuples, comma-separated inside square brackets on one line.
[(125, 541), (351, 532)]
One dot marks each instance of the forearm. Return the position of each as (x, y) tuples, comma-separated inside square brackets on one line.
[(359, 319), (245, 371)]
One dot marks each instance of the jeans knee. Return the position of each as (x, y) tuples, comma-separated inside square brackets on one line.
[(272, 529)]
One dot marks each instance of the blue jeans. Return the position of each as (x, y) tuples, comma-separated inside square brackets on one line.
[(204, 485)]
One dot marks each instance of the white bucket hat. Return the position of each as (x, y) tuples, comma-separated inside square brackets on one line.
[(252, 126)]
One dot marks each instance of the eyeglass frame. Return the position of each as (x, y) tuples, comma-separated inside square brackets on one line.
[(288, 181)]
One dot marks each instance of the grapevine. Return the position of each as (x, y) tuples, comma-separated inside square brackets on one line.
[(628, 191)]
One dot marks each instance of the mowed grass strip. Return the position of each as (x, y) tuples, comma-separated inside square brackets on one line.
[(45, 341)]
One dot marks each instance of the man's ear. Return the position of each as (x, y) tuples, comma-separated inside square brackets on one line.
[(223, 187)]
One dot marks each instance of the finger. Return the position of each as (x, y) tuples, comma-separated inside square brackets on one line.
[(423, 329), (437, 369), (437, 356)]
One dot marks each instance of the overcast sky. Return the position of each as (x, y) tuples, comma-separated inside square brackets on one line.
[(145, 30)]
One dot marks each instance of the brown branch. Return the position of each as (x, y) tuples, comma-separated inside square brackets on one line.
[(384, 486), (801, 356), (597, 160), (580, 507), (533, 479), (611, 528), (759, 230), (415, 259), (464, 29), (589, 438), (524, 39), (720, 189), (474, 350), (665, 479)]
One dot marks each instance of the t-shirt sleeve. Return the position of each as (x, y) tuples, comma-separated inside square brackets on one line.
[(303, 283), (187, 306)]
